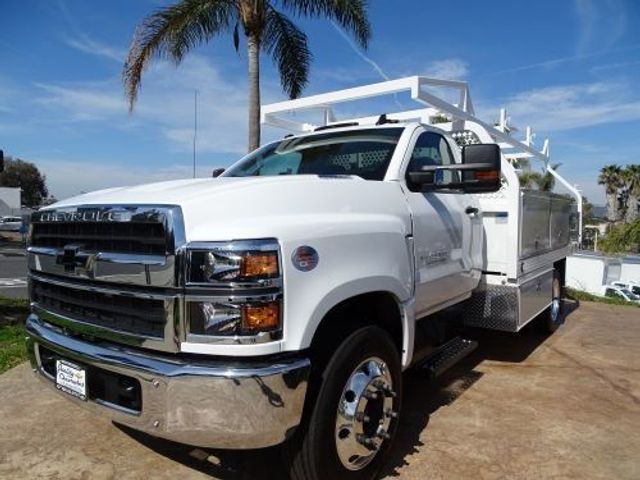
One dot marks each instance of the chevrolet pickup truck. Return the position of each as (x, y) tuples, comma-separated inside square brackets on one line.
[(280, 302)]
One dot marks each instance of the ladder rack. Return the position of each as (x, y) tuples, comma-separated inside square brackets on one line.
[(460, 116)]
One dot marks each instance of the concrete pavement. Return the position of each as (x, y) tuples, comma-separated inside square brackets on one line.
[(13, 273), (521, 407)]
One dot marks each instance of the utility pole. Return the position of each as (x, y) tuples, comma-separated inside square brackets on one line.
[(195, 128)]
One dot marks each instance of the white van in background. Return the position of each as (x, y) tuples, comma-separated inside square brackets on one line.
[(631, 285), (614, 291)]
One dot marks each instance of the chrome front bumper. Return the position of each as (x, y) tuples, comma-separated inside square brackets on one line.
[(222, 404)]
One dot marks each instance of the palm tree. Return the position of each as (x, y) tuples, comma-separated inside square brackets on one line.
[(631, 178), (611, 176), (528, 179), (546, 181), (172, 31), (542, 181)]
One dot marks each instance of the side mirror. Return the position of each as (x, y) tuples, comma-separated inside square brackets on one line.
[(484, 173), (479, 172), (217, 172), (1, 161)]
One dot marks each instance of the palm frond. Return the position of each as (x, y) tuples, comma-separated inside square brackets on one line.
[(529, 179), (287, 45), (171, 32), (350, 14)]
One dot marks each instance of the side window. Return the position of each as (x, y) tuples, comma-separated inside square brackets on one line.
[(610, 292), (432, 149)]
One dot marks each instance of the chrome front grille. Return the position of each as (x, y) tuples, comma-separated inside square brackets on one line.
[(123, 313), (110, 272), (145, 237)]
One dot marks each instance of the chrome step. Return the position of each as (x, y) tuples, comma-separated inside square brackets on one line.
[(448, 355)]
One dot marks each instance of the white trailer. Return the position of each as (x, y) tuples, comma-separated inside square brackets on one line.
[(588, 272)]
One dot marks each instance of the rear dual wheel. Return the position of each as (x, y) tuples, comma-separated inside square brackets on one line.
[(554, 317), (354, 417)]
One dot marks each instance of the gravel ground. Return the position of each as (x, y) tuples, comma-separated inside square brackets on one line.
[(522, 406)]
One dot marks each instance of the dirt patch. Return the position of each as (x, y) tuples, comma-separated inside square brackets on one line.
[(522, 406)]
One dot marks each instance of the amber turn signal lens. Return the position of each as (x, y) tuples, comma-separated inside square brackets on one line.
[(261, 317), (486, 176), (259, 264)]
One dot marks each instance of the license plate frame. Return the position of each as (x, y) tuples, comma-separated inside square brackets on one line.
[(71, 379)]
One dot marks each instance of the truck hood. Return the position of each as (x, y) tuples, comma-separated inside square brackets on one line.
[(228, 208)]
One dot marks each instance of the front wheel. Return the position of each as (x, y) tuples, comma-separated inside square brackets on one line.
[(355, 414)]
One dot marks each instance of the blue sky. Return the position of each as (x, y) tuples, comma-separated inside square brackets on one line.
[(571, 69)]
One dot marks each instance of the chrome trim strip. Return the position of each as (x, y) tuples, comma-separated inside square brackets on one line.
[(257, 244), (244, 406), (262, 337), (115, 290), (124, 258)]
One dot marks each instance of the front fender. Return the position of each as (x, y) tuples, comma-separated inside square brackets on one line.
[(349, 265)]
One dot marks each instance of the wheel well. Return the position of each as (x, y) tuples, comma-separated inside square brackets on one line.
[(561, 266), (374, 308)]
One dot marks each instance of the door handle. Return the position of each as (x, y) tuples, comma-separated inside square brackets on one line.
[(471, 211)]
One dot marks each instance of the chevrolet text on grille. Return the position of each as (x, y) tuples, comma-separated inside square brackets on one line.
[(280, 302), (83, 216)]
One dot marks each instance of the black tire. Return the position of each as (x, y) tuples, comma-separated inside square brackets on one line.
[(553, 317), (312, 453)]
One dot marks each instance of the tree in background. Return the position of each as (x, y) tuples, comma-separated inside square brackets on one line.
[(172, 31), (543, 181), (631, 179), (622, 238), (611, 177), (26, 176)]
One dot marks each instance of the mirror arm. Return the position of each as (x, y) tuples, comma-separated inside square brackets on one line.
[(457, 166)]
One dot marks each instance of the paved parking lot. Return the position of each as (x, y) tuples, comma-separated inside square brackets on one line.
[(525, 406), (13, 273)]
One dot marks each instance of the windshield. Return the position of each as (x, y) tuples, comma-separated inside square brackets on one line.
[(629, 294), (365, 153)]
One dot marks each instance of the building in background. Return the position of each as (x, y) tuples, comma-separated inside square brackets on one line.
[(589, 272), (10, 202)]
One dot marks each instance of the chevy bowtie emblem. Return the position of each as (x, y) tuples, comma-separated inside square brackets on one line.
[(73, 257)]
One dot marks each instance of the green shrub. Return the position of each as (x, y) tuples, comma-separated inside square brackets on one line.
[(588, 297), (623, 238)]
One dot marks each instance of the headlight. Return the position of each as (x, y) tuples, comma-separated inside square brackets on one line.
[(234, 290), (244, 319), (254, 261)]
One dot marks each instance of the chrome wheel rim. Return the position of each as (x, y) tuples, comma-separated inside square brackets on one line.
[(365, 412), (555, 302)]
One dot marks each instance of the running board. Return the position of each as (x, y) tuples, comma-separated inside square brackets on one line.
[(448, 355)]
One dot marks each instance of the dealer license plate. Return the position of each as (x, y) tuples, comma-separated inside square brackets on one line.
[(71, 379)]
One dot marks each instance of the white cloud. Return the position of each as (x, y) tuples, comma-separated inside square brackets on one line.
[(63, 180), (82, 102), (165, 103), (448, 69), (601, 23), (86, 44), (567, 107)]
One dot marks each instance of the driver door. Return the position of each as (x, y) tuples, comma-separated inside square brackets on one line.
[(443, 229)]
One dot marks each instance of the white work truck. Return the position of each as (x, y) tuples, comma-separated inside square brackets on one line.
[(280, 302)]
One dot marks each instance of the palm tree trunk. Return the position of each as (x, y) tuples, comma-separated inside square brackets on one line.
[(632, 209), (253, 47), (612, 206)]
